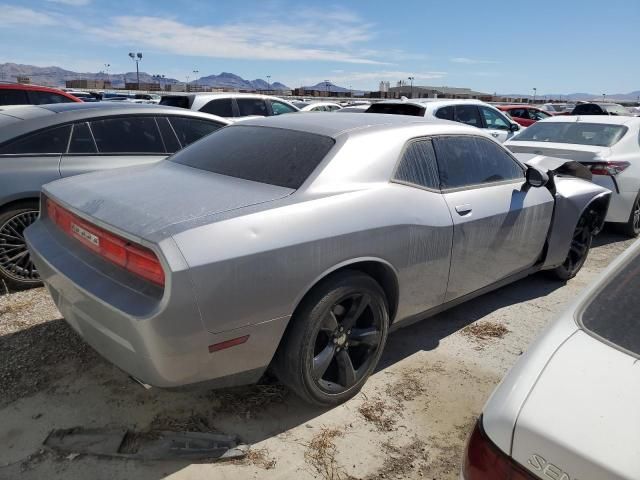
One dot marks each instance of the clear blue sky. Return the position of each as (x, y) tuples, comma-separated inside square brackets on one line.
[(558, 46)]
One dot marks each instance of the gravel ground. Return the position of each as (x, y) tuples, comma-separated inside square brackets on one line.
[(410, 421)]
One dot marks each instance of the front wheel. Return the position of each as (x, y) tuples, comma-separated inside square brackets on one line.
[(578, 251), (16, 268), (335, 339)]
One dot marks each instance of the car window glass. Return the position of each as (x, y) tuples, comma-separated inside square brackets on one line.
[(251, 106), (13, 97), (494, 120), (446, 113), (53, 140), (81, 139), (171, 143), (468, 114), (43, 98), (223, 107), (468, 160), (279, 108), (397, 109), (418, 165), (580, 133), (274, 156), (537, 114), (189, 130), (127, 135), (181, 101), (518, 112)]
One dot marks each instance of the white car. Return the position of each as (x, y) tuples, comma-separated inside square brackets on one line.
[(608, 145), (317, 106), (471, 112), (568, 409), (230, 105)]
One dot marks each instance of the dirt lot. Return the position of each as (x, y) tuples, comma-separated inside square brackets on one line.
[(410, 421)]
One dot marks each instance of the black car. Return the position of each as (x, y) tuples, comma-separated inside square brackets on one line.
[(597, 108)]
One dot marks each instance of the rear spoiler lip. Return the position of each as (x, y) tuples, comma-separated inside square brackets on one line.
[(560, 165)]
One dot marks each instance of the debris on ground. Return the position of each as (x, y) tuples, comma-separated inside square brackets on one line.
[(260, 458), (408, 387), (485, 330), (379, 413), (321, 454), (247, 401), (400, 461)]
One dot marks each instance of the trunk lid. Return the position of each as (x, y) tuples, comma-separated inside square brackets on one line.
[(579, 153), (145, 200)]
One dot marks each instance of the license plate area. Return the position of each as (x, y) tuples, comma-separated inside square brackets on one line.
[(85, 235)]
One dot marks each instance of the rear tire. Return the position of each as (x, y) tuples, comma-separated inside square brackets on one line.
[(579, 249), (335, 339), (632, 227), (17, 271)]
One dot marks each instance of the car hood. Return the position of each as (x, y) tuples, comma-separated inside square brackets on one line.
[(579, 153), (144, 201), (582, 416)]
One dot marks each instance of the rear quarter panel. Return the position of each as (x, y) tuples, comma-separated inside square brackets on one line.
[(21, 177)]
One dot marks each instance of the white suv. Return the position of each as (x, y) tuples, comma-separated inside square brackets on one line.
[(471, 112), (230, 105)]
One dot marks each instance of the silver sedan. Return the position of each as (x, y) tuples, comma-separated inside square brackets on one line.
[(298, 242)]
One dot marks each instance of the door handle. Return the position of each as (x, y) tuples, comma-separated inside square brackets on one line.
[(463, 209), (495, 134)]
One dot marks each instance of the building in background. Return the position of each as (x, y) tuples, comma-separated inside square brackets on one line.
[(144, 86), (384, 87), (23, 79), (88, 84), (402, 89)]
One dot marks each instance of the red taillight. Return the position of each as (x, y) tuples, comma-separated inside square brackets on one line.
[(134, 258), (607, 168), (485, 461)]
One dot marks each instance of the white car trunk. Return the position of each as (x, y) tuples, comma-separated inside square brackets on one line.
[(579, 153)]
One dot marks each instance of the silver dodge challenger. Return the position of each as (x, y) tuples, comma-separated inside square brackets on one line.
[(296, 243)]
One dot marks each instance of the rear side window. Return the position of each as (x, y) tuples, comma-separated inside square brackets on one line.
[(613, 313), (494, 120), (181, 101), (251, 106), (397, 109), (466, 160), (127, 135), (588, 109), (53, 140), (519, 112), (13, 97), (267, 155), (81, 139), (279, 108), (171, 143), (468, 114), (223, 107), (580, 133), (445, 113), (418, 165), (189, 130), (43, 98)]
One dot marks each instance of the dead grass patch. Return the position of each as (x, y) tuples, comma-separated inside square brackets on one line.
[(260, 458), (14, 307), (400, 461), (379, 413), (485, 331), (321, 454), (408, 387), (248, 401)]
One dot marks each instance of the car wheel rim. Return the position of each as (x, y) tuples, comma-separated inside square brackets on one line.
[(15, 261), (346, 344), (636, 216), (579, 247)]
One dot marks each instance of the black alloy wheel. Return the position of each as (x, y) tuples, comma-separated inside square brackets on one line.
[(632, 227), (16, 267), (578, 250), (335, 339)]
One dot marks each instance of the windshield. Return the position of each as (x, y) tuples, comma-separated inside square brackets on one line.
[(275, 156), (596, 134), (614, 313)]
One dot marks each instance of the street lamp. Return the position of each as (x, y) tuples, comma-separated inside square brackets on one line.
[(411, 79), (136, 57), (534, 94), (350, 91), (604, 95), (327, 83), (195, 77)]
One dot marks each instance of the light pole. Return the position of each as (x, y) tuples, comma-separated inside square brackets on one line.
[(327, 83), (604, 95), (350, 91), (534, 94), (136, 57), (411, 79), (195, 79)]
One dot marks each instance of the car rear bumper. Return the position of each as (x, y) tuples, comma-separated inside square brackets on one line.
[(158, 339), (621, 201)]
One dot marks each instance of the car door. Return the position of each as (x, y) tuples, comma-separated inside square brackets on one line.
[(521, 115), (500, 224), (496, 124), (115, 142)]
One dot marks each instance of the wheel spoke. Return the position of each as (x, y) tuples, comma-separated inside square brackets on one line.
[(346, 373), (322, 361), (365, 336), (15, 260), (329, 322), (356, 309)]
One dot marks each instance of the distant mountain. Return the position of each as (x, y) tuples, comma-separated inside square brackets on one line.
[(56, 76), (616, 97), (332, 88)]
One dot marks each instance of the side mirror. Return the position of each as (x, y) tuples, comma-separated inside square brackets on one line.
[(514, 127), (536, 178)]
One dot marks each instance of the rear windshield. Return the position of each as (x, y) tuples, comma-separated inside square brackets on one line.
[(175, 101), (614, 313), (397, 109), (275, 156), (596, 134)]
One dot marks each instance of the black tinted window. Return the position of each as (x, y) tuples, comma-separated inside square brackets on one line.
[(466, 160), (43, 98), (53, 140), (468, 114), (127, 135), (181, 101), (171, 143), (445, 113), (418, 165), (397, 109), (588, 109), (267, 155), (81, 139), (223, 107), (613, 313), (189, 130), (13, 97), (251, 106), (519, 112)]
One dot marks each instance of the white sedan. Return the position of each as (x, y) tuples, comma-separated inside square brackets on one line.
[(317, 106), (568, 409), (608, 145)]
